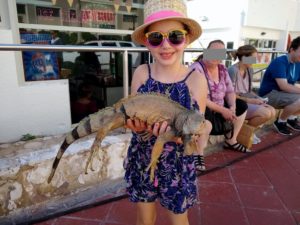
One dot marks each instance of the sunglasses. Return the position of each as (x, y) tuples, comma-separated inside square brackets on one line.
[(174, 37)]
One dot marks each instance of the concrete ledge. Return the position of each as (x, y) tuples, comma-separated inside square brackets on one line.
[(25, 166)]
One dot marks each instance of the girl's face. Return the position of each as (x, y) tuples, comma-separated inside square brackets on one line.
[(168, 52), (216, 45)]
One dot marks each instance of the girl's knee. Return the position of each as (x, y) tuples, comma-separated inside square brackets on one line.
[(146, 213), (179, 219), (146, 220)]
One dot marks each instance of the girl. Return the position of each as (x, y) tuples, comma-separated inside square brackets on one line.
[(241, 75), (166, 32)]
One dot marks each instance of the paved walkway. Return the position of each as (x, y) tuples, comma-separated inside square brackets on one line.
[(261, 188)]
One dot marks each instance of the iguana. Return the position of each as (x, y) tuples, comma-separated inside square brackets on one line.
[(149, 107)]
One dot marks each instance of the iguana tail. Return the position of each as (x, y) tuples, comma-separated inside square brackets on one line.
[(87, 126)]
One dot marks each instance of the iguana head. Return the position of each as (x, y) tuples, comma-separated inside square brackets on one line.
[(192, 126), (193, 123)]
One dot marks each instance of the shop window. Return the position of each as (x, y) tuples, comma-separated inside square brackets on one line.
[(21, 9), (261, 43), (48, 15), (253, 42)]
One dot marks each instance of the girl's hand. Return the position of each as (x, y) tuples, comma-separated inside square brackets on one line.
[(136, 125), (158, 128)]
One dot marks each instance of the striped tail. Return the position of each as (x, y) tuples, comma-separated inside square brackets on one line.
[(61, 151), (88, 125), (83, 129)]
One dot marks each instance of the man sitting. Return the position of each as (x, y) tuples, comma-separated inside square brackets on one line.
[(279, 85)]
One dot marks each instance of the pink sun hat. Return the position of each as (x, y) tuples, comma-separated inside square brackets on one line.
[(160, 10)]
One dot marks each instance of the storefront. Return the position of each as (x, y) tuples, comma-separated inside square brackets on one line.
[(79, 21), (36, 81), (81, 13)]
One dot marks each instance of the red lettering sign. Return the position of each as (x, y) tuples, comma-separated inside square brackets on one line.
[(98, 16)]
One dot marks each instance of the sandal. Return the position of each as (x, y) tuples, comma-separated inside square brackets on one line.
[(199, 162), (236, 147)]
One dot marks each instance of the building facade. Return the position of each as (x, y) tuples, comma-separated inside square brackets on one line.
[(41, 105), (265, 24)]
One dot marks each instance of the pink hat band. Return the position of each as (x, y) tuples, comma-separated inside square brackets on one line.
[(161, 15)]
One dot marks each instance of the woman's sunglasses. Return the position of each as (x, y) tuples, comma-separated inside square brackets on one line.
[(174, 37)]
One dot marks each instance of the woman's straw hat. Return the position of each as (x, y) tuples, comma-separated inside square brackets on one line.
[(159, 10)]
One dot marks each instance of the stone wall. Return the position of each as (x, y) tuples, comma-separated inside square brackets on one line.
[(25, 167)]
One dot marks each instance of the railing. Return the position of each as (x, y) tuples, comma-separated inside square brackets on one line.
[(124, 50)]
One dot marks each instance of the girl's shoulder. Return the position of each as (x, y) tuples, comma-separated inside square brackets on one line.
[(142, 68), (141, 72), (140, 76)]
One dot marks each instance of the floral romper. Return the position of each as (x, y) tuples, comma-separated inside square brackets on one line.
[(175, 177)]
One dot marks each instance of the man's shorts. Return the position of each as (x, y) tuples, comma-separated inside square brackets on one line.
[(280, 99)]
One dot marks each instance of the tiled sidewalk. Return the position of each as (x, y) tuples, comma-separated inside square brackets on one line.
[(261, 188)]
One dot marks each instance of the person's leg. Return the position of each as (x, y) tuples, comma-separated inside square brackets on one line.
[(258, 116), (232, 143), (178, 219), (146, 213), (241, 112), (237, 125), (201, 145), (291, 109), (290, 103), (273, 111), (261, 115), (292, 121)]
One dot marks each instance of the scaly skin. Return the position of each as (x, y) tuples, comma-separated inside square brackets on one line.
[(151, 108)]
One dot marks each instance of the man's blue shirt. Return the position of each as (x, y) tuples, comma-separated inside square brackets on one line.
[(279, 68)]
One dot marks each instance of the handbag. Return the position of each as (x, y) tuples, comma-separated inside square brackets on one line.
[(220, 126)]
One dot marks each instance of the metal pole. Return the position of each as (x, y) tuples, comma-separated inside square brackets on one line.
[(125, 74)]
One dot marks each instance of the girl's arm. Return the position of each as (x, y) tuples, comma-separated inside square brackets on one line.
[(139, 77), (198, 87)]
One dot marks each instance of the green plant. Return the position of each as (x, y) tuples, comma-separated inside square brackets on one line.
[(88, 36), (27, 137)]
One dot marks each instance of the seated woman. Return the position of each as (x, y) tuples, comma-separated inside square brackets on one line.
[(241, 75), (222, 92)]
